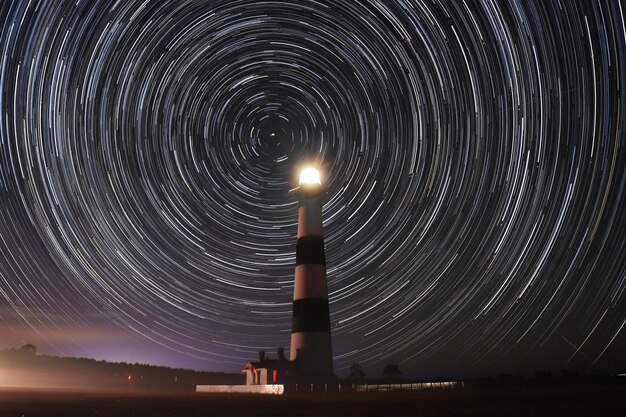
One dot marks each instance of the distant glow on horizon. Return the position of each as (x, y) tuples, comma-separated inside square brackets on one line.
[(310, 176)]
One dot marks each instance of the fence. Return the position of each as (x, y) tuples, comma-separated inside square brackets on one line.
[(416, 386)]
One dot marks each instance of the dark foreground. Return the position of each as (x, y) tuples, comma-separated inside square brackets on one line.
[(575, 400)]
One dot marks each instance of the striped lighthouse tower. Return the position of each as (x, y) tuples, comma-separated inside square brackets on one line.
[(311, 347)]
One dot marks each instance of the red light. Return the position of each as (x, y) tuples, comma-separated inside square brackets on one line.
[(274, 375)]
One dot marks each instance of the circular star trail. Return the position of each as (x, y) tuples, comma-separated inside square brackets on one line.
[(473, 154)]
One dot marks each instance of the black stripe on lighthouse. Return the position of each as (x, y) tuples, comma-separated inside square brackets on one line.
[(310, 250), (310, 315)]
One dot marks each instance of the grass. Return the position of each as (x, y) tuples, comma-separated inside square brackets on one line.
[(563, 400)]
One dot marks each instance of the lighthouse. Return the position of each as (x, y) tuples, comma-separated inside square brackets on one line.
[(311, 348)]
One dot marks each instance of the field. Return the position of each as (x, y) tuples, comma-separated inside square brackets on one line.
[(570, 401)]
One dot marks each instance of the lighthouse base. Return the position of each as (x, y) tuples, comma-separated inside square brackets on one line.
[(312, 353)]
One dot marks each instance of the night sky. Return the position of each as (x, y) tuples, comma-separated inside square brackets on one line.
[(473, 152)]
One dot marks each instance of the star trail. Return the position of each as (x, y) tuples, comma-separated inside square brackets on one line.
[(473, 152)]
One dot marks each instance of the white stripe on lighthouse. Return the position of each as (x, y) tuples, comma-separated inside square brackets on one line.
[(310, 282), (310, 220)]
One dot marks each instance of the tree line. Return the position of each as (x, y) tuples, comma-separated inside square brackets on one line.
[(391, 374), (26, 367)]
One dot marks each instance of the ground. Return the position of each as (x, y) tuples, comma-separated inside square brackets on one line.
[(569, 400)]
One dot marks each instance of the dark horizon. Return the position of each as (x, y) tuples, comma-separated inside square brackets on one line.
[(23, 368), (474, 158)]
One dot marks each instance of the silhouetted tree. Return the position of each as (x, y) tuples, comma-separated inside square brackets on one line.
[(565, 374), (542, 375), (29, 348), (392, 372), (356, 373)]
